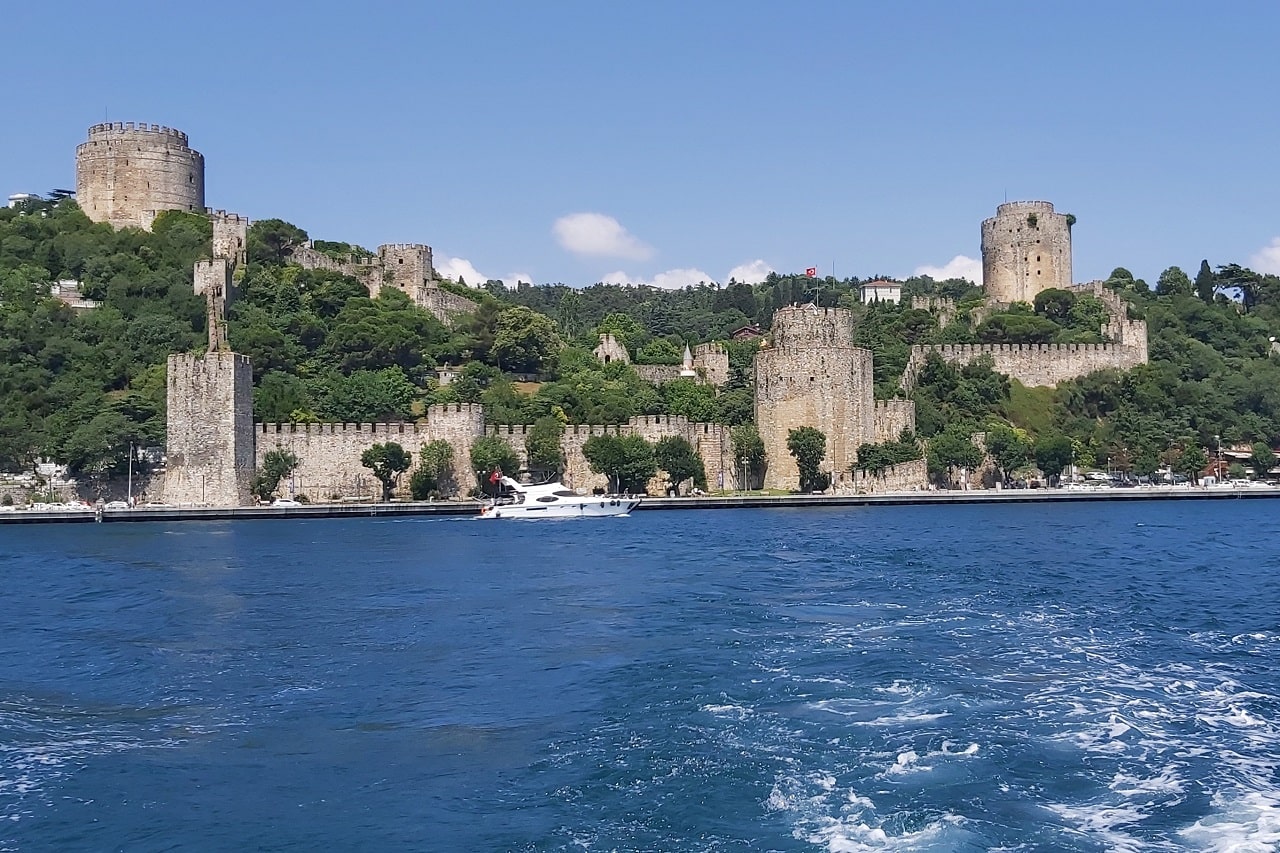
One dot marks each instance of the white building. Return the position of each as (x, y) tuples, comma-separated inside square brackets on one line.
[(880, 291), (22, 198)]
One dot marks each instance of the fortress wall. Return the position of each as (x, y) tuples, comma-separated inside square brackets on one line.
[(209, 450), (329, 454), (658, 373), (907, 477), (1026, 248), (891, 418), (127, 173), (712, 441), (404, 266), (447, 307), (1032, 364)]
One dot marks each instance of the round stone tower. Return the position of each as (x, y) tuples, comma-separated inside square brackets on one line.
[(127, 173), (1026, 248), (813, 375)]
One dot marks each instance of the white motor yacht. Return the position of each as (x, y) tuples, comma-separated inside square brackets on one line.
[(555, 500)]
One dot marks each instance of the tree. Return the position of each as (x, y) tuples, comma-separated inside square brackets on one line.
[(748, 453), (542, 445), (271, 241), (809, 445), (526, 341), (1206, 283), (276, 465), (1010, 448), (627, 461), (1053, 455), (387, 462), (951, 449), (1262, 459), (1191, 462), (675, 455), (434, 476), (491, 454), (1174, 282)]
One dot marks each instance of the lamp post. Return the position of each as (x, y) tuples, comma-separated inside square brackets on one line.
[(130, 487), (1218, 471)]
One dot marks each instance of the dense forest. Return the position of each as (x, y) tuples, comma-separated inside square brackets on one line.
[(82, 387)]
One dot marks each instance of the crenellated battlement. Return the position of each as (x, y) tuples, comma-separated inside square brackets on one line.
[(403, 248), (1010, 207), (130, 128), (229, 218)]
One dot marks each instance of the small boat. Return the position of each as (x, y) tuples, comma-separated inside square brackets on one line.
[(555, 500)]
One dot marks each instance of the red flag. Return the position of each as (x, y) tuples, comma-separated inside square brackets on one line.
[(811, 271), (496, 475)]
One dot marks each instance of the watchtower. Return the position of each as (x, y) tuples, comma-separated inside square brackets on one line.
[(127, 173), (1026, 248)]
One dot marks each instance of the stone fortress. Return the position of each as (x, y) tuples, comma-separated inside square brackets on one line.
[(809, 374)]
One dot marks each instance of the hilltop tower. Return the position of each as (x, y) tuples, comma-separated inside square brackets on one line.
[(1026, 248), (813, 375), (127, 173)]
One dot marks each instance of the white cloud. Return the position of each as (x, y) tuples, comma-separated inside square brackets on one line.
[(458, 269), (958, 267), (752, 272), (669, 280), (598, 234), (1267, 260)]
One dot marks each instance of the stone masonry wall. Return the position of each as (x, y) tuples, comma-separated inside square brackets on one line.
[(127, 173), (329, 454), (1026, 248), (907, 477), (210, 458)]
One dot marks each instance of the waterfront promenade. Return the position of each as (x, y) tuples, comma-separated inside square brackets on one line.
[(708, 502)]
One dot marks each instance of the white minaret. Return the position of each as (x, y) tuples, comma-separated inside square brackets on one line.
[(686, 365)]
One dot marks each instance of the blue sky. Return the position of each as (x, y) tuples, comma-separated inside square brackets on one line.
[(667, 142)]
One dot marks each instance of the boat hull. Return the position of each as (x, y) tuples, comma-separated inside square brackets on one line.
[(591, 508)]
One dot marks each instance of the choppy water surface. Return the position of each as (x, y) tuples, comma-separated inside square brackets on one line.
[(1081, 677)]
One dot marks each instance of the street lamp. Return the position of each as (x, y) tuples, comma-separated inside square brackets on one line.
[(1218, 472)]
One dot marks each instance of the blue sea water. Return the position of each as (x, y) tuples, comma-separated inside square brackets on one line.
[(1053, 677)]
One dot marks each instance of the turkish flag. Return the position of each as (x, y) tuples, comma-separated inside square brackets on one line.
[(811, 271), (495, 476)]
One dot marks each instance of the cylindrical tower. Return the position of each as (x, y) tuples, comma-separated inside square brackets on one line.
[(1026, 248), (812, 375), (127, 173)]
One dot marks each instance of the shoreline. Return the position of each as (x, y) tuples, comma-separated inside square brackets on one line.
[(472, 508)]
